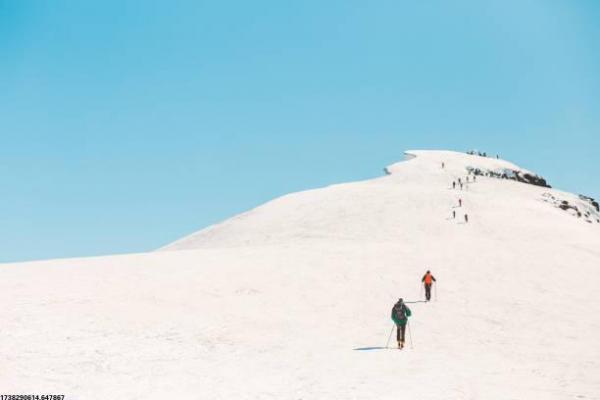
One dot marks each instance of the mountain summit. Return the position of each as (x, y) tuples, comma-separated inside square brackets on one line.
[(415, 198)]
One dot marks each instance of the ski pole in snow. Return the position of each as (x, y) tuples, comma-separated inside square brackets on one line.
[(409, 334), (389, 337)]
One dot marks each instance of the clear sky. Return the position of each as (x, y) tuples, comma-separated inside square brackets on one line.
[(125, 125)]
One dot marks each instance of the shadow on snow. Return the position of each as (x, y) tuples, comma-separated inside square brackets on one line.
[(370, 348)]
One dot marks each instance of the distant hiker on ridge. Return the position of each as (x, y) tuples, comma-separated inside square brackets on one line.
[(428, 280), (453, 185), (466, 218), (460, 202), (400, 314)]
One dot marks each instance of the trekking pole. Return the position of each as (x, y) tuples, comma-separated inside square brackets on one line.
[(420, 292), (410, 335), (389, 337)]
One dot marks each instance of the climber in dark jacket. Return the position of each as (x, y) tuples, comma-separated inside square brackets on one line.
[(400, 314)]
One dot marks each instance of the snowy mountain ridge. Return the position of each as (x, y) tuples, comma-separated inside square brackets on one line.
[(315, 214), (292, 299)]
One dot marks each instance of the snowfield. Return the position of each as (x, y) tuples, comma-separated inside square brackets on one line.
[(292, 300)]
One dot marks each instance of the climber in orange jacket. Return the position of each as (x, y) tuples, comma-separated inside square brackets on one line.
[(428, 280)]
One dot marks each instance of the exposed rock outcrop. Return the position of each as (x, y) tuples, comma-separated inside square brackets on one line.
[(586, 208), (511, 174), (590, 200)]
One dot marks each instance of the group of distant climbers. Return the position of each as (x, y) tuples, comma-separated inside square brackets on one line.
[(479, 153), (401, 312), (460, 184)]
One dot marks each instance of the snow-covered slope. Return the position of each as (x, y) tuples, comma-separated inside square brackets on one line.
[(292, 299), (409, 206)]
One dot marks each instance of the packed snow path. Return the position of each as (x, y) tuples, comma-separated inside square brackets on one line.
[(277, 302)]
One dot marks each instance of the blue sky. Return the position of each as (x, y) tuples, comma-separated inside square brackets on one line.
[(126, 125)]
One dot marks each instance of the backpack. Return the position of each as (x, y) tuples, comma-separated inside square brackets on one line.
[(428, 278), (399, 312)]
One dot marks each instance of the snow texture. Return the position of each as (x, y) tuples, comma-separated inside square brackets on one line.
[(292, 300)]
